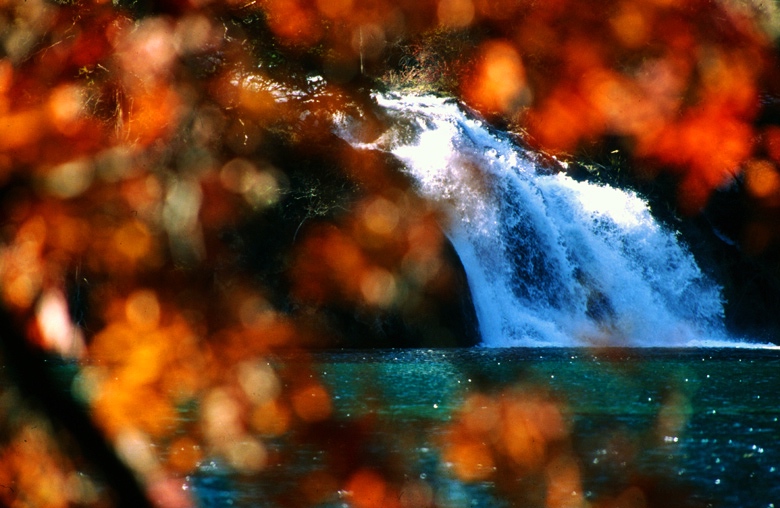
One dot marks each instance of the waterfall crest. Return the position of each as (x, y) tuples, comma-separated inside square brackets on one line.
[(550, 261)]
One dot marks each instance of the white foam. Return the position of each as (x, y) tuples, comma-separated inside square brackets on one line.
[(550, 261)]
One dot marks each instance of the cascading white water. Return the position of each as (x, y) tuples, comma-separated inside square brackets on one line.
[(550, 261)]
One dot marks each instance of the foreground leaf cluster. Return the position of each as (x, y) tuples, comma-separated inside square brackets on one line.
[(175, 210)]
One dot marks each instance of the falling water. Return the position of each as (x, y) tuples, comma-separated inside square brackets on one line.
[(550, 261)]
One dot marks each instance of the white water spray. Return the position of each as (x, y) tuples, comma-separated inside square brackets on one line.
[(550, 261)]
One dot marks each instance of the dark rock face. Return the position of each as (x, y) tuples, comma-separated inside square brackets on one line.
[(284, 247), (723, 238), (434, 320)]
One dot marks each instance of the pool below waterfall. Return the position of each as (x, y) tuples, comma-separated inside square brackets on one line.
[(681, 427)]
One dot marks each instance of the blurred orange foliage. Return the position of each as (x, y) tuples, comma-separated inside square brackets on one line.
[(35, 473), (130, 142), (519, 436)]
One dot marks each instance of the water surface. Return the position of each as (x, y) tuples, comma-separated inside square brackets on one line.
[(722, 448)]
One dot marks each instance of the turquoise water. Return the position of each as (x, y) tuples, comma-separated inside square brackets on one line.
[(724, 450)]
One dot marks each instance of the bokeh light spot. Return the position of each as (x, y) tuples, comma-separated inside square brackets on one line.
[(260, 188), (184, 454), (66, 105), (256, 313), (221, 418), (70, 179), (247, 455), (311, 403), (471, 460), (762, 179), (498, 84), (367, 489), (137, 450), (58, 332), (455, 13), (142, 310), (378, 287), (630, 25), (271, 419), (381, 216), (133, 240), (259, 381)]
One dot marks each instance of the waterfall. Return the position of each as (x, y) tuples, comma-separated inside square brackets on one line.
[(550, 261)]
